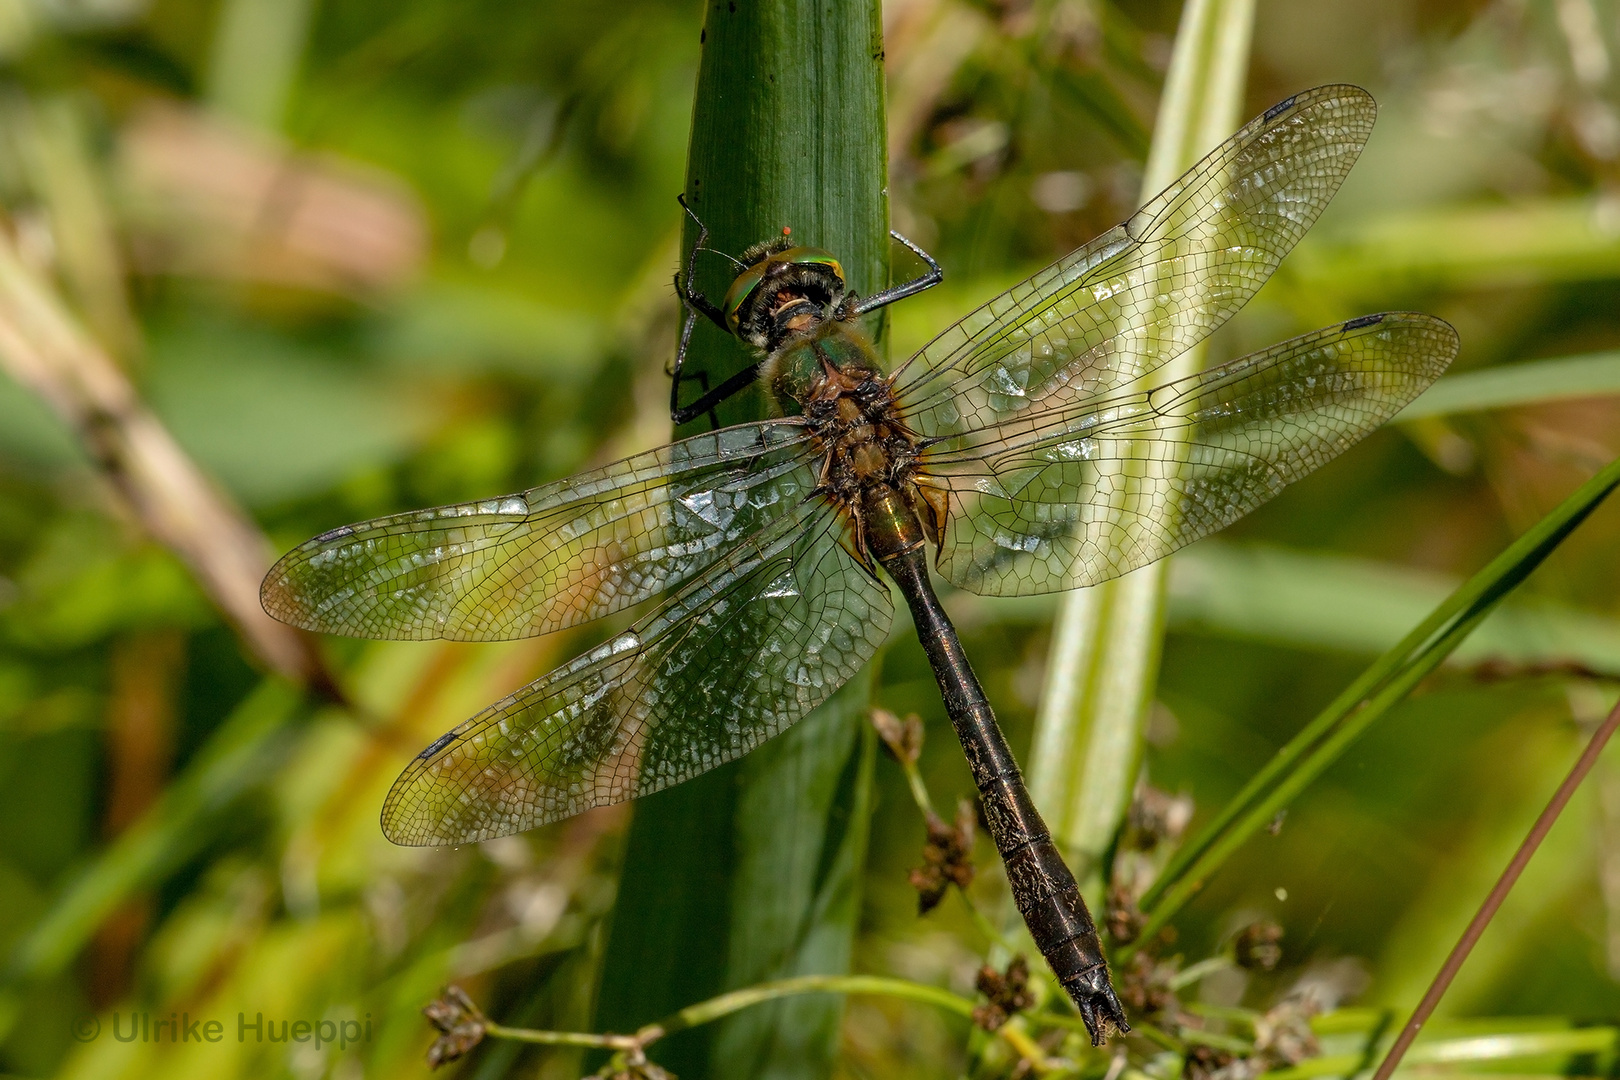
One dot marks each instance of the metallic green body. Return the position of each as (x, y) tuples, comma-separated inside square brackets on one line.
[(795, 371)]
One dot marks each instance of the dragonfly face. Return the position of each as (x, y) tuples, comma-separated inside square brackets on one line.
[(1035, 443), (782, 291)]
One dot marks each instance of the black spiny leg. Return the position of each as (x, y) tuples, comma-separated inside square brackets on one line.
[(909, 288), (697, 305), (682, 416)]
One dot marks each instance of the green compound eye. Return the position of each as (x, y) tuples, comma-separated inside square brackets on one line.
[(741, 289), (813, 257)]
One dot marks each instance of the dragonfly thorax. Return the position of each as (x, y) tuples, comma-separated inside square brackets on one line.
[(869, 464)]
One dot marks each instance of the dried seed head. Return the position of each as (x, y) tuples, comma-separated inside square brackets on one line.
[(1123, 918), (902, 738), (1258, 946), (947, 858), (1146, 985), (1284, 1036), (1007, 994), (1207, 1063), (1157, 817), (460, 1022)]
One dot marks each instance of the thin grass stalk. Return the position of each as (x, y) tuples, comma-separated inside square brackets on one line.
[(1498, 894), (1104, 661), (44, 348), (1016, 1033), (257, 50), (1551, 529), (1508, 386), (1373, 694)]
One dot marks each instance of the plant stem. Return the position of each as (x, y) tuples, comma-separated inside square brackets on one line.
[(751, 871), (723, 1005), (1105, 648), (985, 926), (256, 53), (1379, 688), (561, 1038), (43, 347), (1194, 972), (1493, 901), (919, 790), (1158, 1035), (1014, 1035)]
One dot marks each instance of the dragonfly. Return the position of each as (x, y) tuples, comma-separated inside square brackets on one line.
[(1036, 445)]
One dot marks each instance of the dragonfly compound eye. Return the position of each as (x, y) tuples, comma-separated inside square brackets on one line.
[(741, 292)]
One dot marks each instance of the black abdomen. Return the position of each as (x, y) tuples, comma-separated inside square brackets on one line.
[(1043, 888)]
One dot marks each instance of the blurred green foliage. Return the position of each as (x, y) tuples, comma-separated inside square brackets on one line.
[(408, 253)]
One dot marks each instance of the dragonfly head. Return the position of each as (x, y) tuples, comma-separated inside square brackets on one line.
[(782, 292)]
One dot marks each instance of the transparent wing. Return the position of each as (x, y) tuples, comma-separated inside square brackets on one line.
[(1145, 291), (1058, 498), (736, 656), (550, 557)]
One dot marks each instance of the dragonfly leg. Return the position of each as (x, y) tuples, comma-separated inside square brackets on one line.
[(710, 399), (696, 302), (697, 305), (676, 413), (682, 416), (935, 275)]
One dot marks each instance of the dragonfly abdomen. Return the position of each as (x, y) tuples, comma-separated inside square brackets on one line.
[(1042, 886), (1049, 899)]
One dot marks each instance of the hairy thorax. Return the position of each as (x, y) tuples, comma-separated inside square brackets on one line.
[(869, 464)]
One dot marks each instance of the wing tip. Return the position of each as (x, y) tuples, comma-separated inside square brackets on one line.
[(1428, 363), (1416, 320), (413, 816), (280, 599), (407, 821), (1330, 94)]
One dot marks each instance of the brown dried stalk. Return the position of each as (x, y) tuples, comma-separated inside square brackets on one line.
[(43, 347)]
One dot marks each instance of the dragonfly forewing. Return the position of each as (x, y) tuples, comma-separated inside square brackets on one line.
[(1064, 497), (737, 655), (1144, 292), (550, 557)]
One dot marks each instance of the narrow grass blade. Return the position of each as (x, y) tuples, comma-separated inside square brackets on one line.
[(1493, 901), (256, 55), (1373, 694), (1325, 601), (1529, 383), (1104, 662), (1460, 247)]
